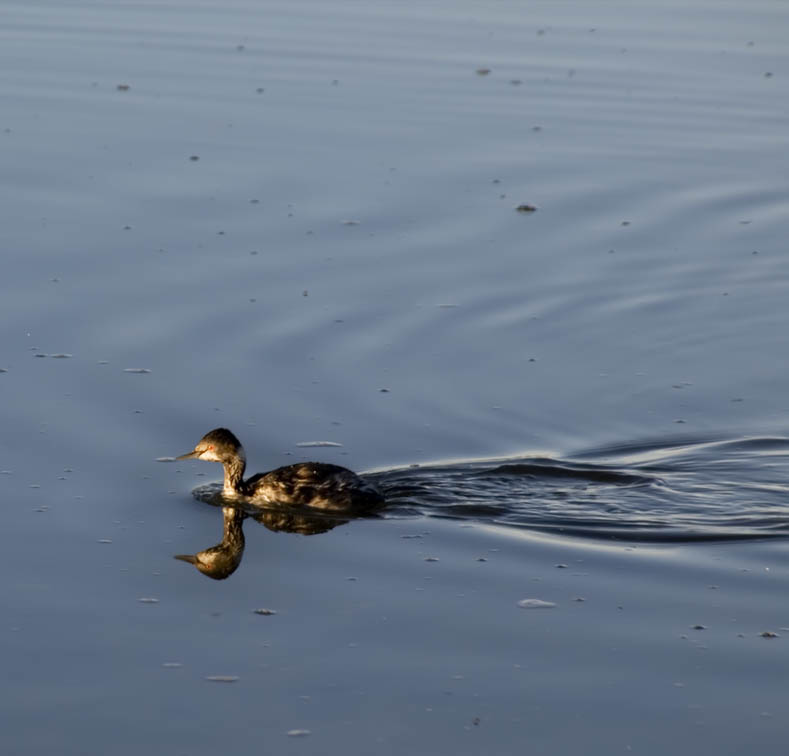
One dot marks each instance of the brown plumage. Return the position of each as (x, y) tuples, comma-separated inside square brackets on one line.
[(315, 485)]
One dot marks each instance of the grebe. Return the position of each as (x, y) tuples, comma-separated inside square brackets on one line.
[(306, 484)]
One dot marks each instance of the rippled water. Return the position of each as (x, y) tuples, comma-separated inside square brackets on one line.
[(685, 491), (298, 220)]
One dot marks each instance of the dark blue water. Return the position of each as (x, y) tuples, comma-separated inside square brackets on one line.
[(298, 220), (683, 491)]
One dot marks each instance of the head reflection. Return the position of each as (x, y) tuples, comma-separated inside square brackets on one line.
[(222, 560)]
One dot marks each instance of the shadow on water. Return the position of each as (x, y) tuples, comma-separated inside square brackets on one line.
[(679, 491)]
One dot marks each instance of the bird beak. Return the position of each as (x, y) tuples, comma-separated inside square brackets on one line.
[(191, 558), (190, 455)]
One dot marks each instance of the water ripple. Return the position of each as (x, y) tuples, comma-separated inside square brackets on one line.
[(675, 492)]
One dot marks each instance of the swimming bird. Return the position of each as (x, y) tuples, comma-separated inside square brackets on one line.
[(316, 485)]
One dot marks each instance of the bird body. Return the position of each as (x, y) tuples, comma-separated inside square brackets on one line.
[(314, 485)]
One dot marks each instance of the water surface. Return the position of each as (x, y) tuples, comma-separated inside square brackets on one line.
[(298, 220)]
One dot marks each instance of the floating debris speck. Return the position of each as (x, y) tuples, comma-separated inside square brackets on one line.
[(136, 370), (482, 71), (265, 612), (104, 540), (148, 600), (318, 443), (351, 223), (535, 604), (526, 209), (61, 356)]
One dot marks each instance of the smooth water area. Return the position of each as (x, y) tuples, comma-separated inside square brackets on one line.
[(299, 221)]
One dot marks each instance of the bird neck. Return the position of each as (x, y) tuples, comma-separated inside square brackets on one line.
[(234, 475)]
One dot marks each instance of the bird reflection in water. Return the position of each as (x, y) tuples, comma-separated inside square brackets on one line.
[(222, 560)]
